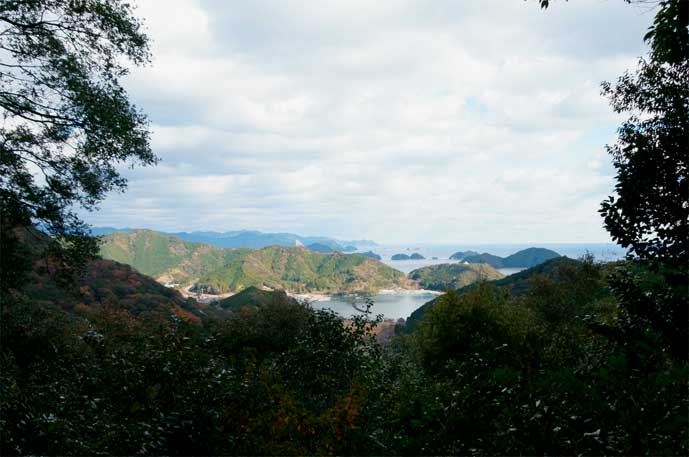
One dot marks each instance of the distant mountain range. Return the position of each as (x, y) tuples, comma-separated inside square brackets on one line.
[(525, 258), (221, 270), (253, 239)]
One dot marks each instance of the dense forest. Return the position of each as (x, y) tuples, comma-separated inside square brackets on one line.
[(574, 358)]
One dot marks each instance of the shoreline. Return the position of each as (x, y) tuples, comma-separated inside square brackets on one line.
[(315, 297), (310, 297)]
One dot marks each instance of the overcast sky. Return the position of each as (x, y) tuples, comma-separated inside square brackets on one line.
[(473, 121)]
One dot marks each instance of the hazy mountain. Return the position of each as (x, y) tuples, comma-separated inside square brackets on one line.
[(453, 275), (461, 255), (370, 254), (319, 247), (529, 257), (525, 258), (251, 239)]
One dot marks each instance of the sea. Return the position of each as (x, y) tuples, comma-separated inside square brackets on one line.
[(400, 305)]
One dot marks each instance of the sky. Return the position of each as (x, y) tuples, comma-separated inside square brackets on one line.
[(400, 121)]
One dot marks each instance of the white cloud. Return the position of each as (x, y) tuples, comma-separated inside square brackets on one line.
[(469, 122)]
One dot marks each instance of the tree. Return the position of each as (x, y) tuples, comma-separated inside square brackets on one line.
[(649, 215), (67, 123)]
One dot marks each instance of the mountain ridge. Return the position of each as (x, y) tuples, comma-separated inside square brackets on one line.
[(215, 270), (249, 238), (525, 258)]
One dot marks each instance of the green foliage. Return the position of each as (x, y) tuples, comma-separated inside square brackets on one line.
[(529, 374), (252, 296), (65, 115), (488, 372), (557, 269), (278, 379), (453, 276), (159, 255), (300, 270), (221, 270), (649, 213), (530, 257)]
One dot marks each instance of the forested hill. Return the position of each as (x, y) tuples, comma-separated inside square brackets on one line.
[(453, 275), (164, 257), (525, 258), (254, 297), (517, 284), (102, 286), (222, 270), (299, 270)]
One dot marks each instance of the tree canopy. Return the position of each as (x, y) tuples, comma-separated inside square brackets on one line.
[(67, 123)]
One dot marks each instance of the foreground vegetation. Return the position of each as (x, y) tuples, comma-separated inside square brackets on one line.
[(95, 359), (486, 372)]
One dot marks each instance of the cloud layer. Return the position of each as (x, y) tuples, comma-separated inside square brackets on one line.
[(442, 121)]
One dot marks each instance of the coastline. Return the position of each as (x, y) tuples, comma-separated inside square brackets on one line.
[(408, 292), (310, 297), (314, 297)]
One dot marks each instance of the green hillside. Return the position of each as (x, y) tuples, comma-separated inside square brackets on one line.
[(461, 255), (517, 284), (253, 296), (526, 258), (164, 257), (453, 276), (300, 270), (492, 260), (104, 285)]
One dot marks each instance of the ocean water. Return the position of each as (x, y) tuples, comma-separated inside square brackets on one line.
[(391, 306), (603, 252), (395, 306)]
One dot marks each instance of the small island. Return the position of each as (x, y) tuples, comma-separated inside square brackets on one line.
[(453, 276), (461, 255), (400, 257), (525, 258), (370, 254), (416, 256)]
